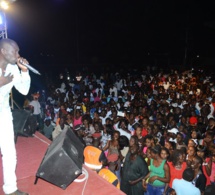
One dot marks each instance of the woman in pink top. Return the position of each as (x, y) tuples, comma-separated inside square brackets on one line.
[(77, 118)]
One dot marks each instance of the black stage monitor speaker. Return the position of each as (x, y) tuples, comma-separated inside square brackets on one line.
[(19, 120), (63, 160)]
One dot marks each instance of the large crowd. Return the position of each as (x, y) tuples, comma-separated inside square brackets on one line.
[(155, 129)]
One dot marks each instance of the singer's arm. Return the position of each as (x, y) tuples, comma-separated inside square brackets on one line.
[(22, 81), (20, 63)]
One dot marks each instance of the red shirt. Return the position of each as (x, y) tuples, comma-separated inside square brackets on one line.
[(144, 132), (176, 173), (208, 182)]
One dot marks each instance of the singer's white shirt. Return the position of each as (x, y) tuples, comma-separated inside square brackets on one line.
[(21, 81)]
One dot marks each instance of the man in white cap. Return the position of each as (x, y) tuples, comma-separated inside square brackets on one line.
[(173, 133)]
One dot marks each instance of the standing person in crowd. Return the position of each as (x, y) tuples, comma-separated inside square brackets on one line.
[(48, 128), (77, 117), (94, 157), (103, 116), (173, 134), (184, 186), (123, 147), (36, 110), (113, 145), (157, 133), (212, 176), (88, 129), (145, 123), (10, 76), (199, 178), (191, 153), (147, 158), (134, 169), (165, 153), (207, 162), (109, 173), (122, 128), (106, 137), (209, 140), (195, 136), (150, 142), (176, 167), (59, 128), (159, 173), (138, 133), (133, 140), (79, 132), (96, 118), (113, 148), (132, 122), (69, 119), (180, 141), (192, 142)]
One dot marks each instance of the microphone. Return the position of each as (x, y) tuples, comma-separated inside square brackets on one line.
[(30, 67)]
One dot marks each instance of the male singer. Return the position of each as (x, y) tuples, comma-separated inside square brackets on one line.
[(10, 76)]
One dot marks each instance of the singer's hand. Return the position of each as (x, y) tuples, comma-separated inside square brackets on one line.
[(20, 63), (5, 80)]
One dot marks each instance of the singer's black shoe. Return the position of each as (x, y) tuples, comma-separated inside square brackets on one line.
[(18, 192)]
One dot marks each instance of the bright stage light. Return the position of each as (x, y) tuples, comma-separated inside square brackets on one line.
[(4, 5)]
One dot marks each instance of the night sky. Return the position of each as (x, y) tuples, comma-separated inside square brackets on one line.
[(102, 31)]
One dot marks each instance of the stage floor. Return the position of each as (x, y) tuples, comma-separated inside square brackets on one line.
[(30, 152)]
